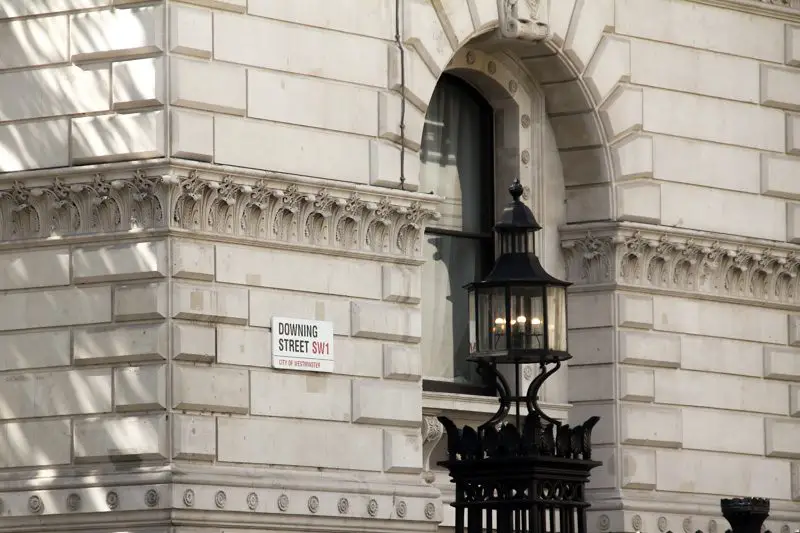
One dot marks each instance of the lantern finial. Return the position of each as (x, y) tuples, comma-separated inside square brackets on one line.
[(516, 190)]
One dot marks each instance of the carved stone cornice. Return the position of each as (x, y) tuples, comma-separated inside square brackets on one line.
[(794, 4), (788, 10), (262, 208), (686, 262)]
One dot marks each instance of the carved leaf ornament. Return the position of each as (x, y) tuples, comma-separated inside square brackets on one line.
[(254, 210)]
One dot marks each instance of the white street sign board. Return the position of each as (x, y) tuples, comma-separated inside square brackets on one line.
[(302, 344)]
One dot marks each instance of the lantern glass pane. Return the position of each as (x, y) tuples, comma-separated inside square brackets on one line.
[(527, 318), (557, 318), (492, 320), (473, 327), (483, 320)]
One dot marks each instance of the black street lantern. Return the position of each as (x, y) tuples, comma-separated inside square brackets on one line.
[(519, 477), (518, 314)]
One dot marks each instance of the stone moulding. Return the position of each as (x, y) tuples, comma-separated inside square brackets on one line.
[(263, 209), (686, 262), (788, 10), (795, 4), (217, 496)]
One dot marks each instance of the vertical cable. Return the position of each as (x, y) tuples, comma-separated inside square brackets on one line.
[(399, 42)]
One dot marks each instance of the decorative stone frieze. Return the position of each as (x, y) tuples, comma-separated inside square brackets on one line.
[(783, 3), (665, 259), (263, 209)]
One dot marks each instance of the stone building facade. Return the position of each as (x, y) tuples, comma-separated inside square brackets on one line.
[(177, 173)]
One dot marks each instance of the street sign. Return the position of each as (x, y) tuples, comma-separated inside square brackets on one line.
[(302, 344)]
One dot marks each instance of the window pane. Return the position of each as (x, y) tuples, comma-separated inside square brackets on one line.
[(451, 263), (454, 156)]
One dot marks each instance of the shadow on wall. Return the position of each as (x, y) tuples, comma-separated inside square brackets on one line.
[(60, 89), (39, 384)]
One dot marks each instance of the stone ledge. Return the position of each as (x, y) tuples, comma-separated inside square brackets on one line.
[(222, 202), (684, 262), (226, 496), (766, 8), (686, 504)]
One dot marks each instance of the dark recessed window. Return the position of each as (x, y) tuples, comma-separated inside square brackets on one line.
[(457, 158)]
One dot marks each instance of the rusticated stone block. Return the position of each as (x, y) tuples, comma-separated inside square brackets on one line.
[(191, 342), (140, 388), (348, 447), (40, 349), (55, 307), (649, 349), (402, 451), (117, 34), (287, 395), (400, 362), (194, 437), (120, 344), (37, 443), (120, 262), (635, 311), (651, 426), (190, 31), (138, 83), (376, 402), (141, 302), (385, 322), (61, 393), (782, 363), (782, 438), (219, 390), (637, 384), (209, 303), (402, 283), (265, 304), (638, 468), (780, 87), (130, 438)]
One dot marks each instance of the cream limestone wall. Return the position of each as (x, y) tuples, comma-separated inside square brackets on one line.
[(175, 173)]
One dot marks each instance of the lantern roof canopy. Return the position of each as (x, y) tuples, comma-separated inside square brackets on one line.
[(521, 267), (518, 269), (516, 215)]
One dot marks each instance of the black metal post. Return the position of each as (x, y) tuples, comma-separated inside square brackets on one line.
[(745, 515)]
